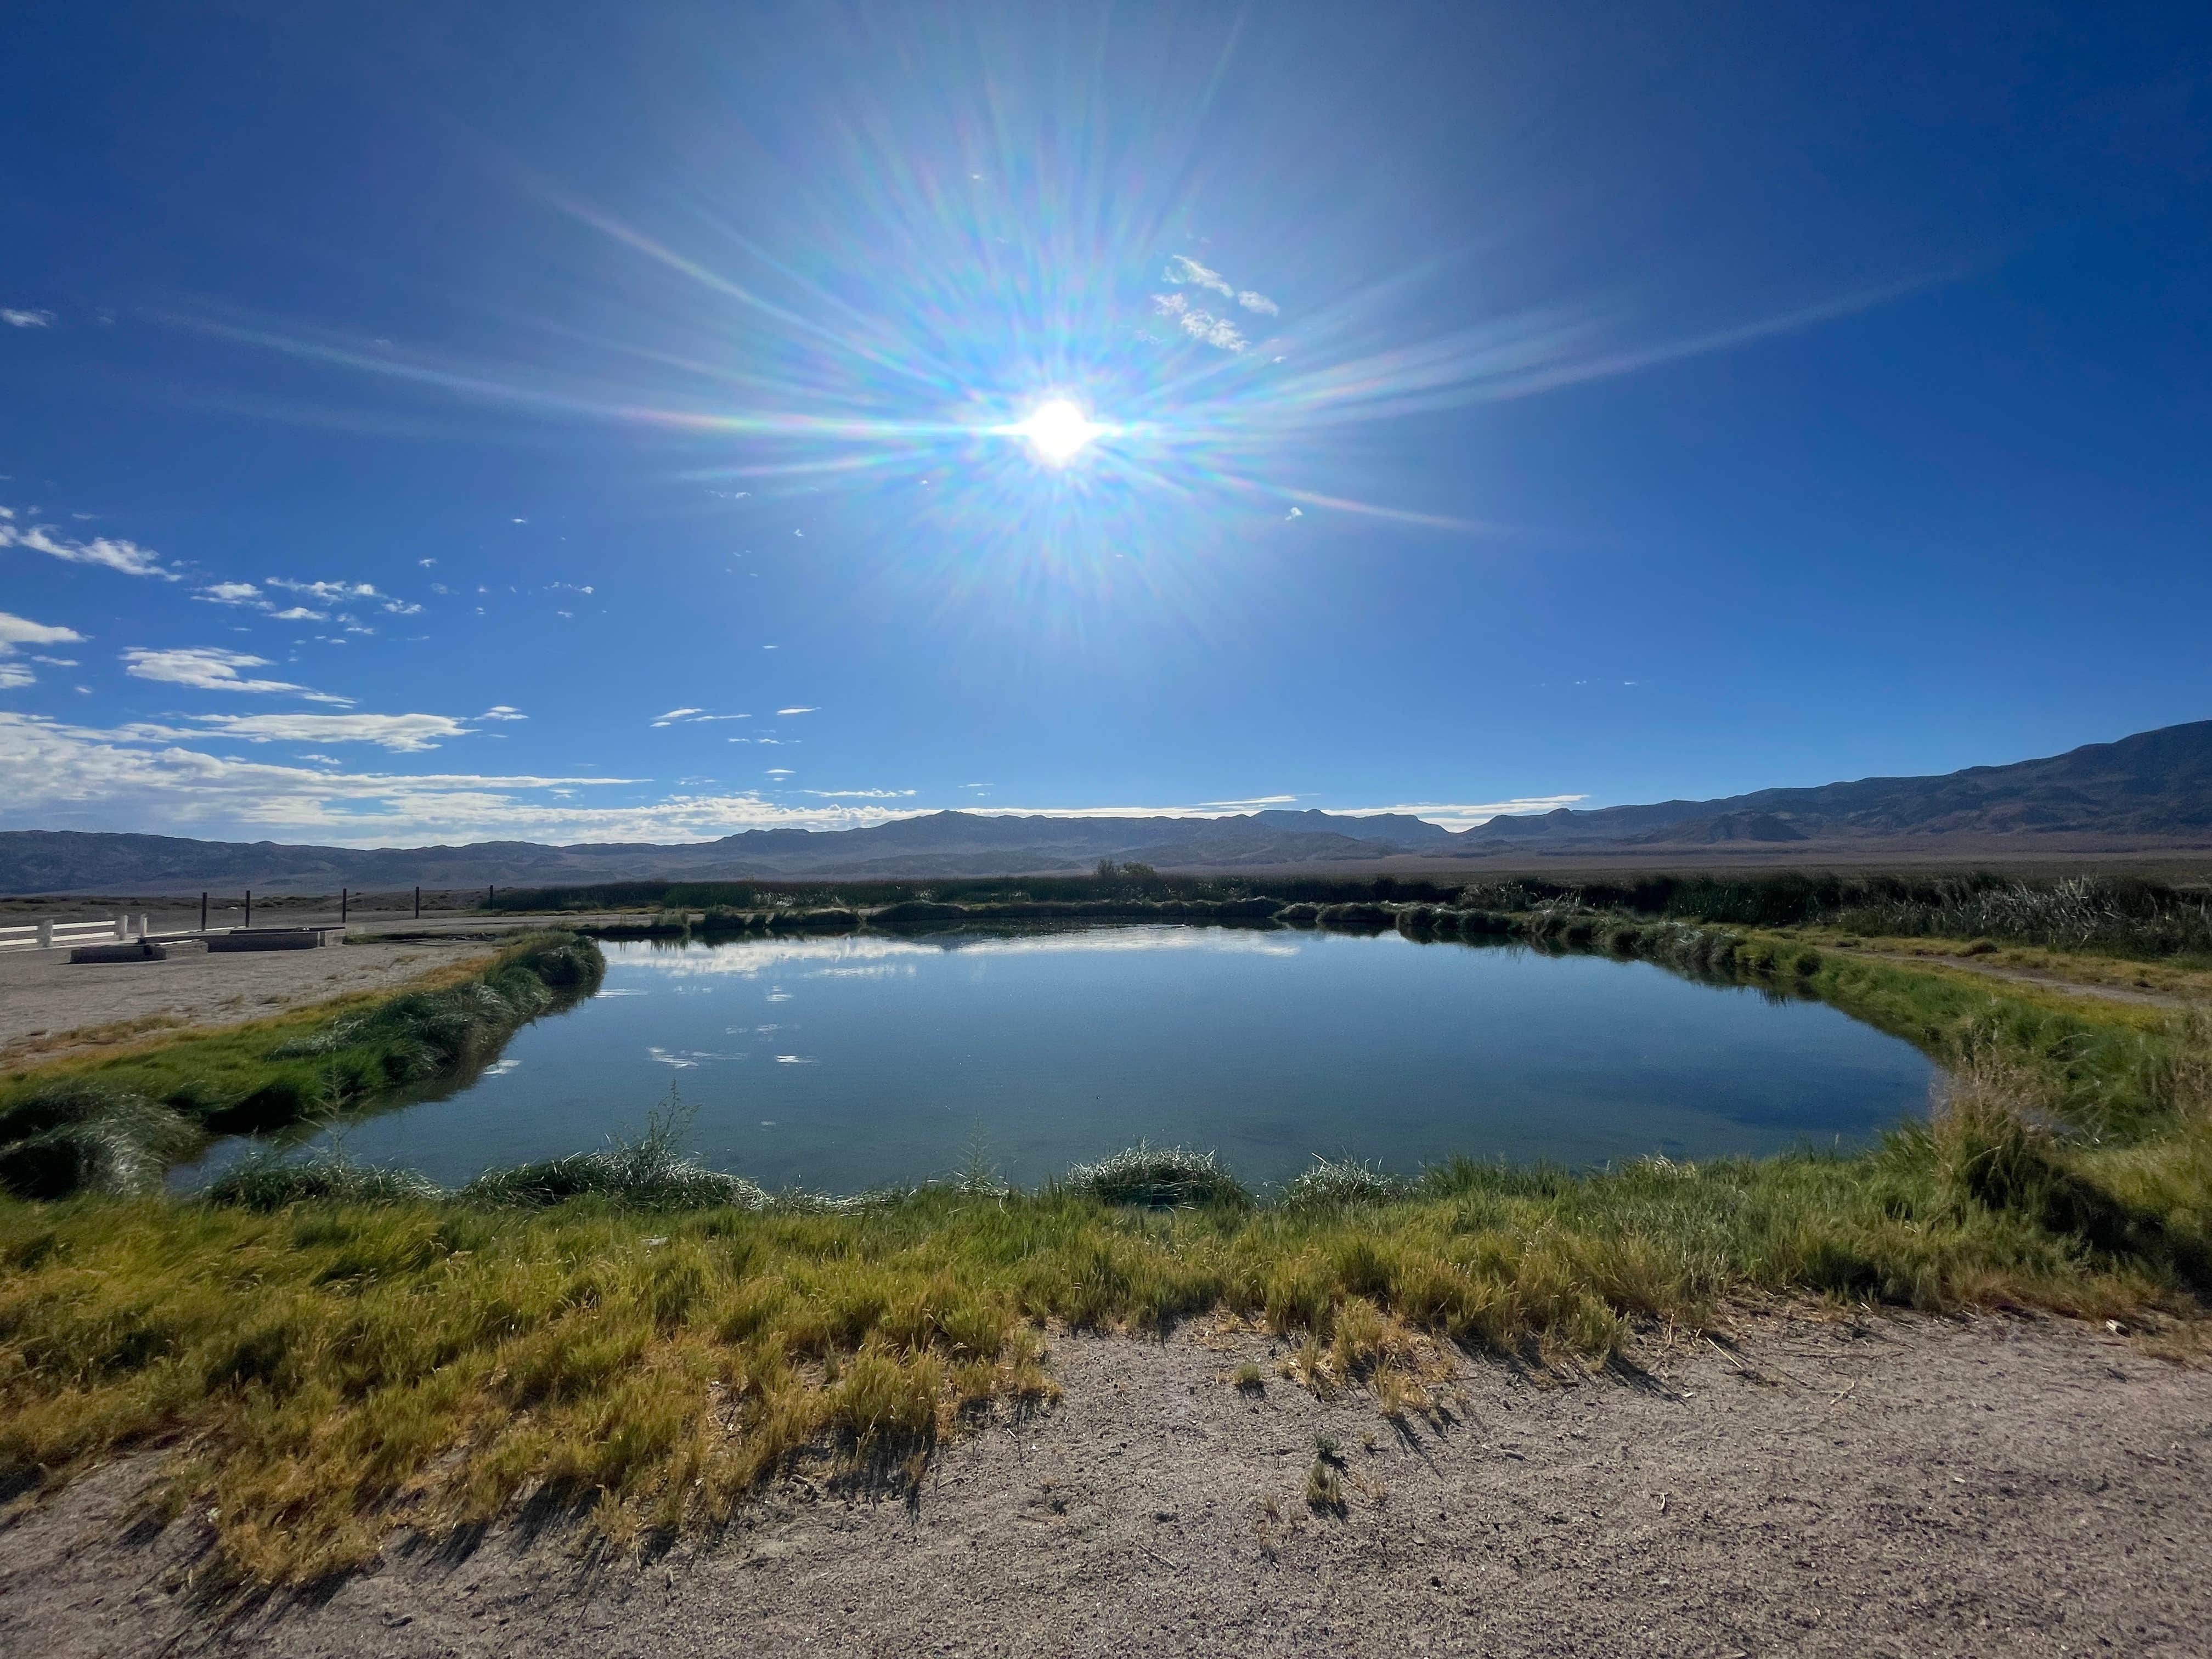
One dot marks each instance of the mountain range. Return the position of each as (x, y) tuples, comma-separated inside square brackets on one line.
[(2151, 791)]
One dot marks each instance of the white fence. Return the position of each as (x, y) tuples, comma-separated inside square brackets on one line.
[(54, 935)]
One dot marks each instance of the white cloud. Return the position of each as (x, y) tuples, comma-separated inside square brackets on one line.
[(1184, 270), (1258, 302), (16, 631), (62, 775), (71, 662), (230, 593), (301, 613), (778, 772), (16, 318), (401, 608), (21, 630), (1201, 324), (113, 553), (403, 733), (798, 711), (1256, 800), (326, 592), (207, 668), (500, 711), (675, 714), (858, 795)]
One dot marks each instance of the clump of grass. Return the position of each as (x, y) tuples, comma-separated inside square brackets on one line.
[(1158, 1177), (1339, 1183), (274, 1180), (76, 1136), (652, 1172), (1324, 1488), (1248, 1378)]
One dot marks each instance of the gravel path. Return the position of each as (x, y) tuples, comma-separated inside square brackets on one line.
[(51, 1007), (1900, 1487)]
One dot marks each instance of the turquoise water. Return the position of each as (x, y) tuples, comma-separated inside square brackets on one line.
[(844, 1063)]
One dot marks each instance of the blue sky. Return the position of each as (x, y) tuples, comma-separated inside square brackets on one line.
[(594, 422)]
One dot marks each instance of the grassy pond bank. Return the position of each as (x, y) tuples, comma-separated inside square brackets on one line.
[(326, 1350)]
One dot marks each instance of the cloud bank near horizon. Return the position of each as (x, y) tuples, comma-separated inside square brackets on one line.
[(145, 778)]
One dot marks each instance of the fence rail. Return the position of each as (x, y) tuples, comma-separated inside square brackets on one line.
[(47, 935)]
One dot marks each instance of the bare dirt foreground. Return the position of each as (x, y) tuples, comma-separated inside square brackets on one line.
[(1897, 1488)]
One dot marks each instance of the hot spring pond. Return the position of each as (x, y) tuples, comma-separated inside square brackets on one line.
[(840, 1064)]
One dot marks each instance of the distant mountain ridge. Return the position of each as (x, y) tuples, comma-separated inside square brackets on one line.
[(2155, 786), (2151, 790)]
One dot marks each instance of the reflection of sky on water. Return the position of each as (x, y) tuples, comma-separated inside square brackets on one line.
[(842, 1063), (858, 954)]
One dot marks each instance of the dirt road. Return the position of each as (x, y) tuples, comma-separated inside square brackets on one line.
[(1896, 1487)]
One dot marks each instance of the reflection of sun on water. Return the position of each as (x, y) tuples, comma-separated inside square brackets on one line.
[(1056, 430)]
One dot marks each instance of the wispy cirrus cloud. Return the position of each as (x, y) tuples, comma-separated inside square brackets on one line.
[(26, 317), (1184, 270), (1208, 327), (1199, 323), (701, 717), (210, 668), (401, 733), (113, 553), (247, 596), (327, 592)]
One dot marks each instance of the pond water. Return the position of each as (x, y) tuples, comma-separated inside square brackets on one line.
[(838, 1064)]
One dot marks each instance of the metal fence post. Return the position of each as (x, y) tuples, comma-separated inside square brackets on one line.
[(418, 904), (249, 906), (345, 897)]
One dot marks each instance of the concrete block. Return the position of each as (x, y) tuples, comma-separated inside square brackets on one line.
[(136, 951), (266, 938)]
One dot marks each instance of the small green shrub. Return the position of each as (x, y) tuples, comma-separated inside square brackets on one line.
[(1336, 1184), (1158, 1177)]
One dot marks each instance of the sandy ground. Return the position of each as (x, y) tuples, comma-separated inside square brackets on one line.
[(1899, 1488), (51, 1007)]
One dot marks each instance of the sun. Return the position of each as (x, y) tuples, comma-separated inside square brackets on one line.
[(1057, 430)]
